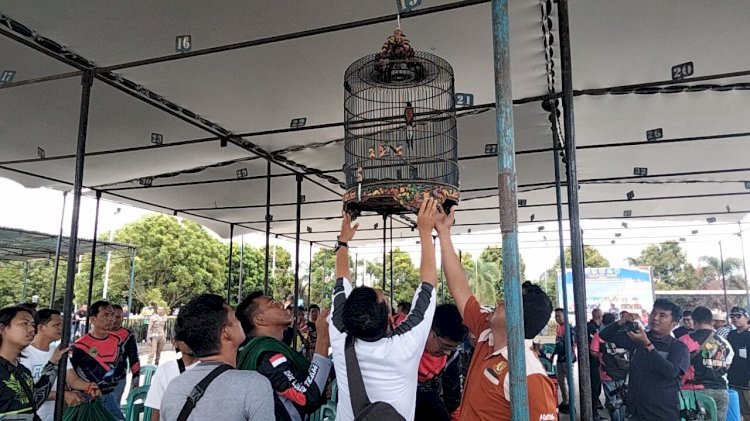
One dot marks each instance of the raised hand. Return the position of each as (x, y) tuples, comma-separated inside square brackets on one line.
[(444, 221), (347, 230), (426, 218), (57, 354)]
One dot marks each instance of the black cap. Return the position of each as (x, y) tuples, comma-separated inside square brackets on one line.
[(738, 310)]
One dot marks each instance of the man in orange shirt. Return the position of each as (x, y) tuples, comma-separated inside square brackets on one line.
[(487, 388)]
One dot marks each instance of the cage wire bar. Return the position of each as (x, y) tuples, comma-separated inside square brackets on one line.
[(574, 217), (86, 81), (507, 185)]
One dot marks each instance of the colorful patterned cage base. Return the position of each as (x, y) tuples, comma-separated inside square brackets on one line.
[(400, 130)]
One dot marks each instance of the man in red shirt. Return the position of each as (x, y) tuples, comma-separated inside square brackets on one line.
[(487, 392)]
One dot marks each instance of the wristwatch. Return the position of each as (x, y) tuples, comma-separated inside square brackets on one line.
[(340, 244)]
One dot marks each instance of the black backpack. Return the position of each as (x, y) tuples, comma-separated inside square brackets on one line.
[(364, 410)]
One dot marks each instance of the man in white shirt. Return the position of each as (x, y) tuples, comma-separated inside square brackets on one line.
[(388, 361), (35, 356)]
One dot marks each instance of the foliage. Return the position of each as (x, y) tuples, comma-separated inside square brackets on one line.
[(669, 265), (38, 281), (405, 275)]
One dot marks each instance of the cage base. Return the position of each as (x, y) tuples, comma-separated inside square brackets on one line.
[(394, 198)]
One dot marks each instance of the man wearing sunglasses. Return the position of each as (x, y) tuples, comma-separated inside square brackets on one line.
[(446, 334), (739, 372)]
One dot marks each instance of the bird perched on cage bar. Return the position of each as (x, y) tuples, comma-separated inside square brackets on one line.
[(409, 119)]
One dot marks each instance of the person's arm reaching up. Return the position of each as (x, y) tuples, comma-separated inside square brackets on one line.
[(425, 224), (458, 283), (342, 255)]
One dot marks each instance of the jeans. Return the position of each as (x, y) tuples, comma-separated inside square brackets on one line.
[(615, 404), (721, 397), (120, 390), (112, 406)]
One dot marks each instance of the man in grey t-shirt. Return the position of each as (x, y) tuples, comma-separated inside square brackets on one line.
[(209, 327), (234, 395)]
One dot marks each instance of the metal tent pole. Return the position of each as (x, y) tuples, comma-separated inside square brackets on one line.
[(563, 271), (229, 264), (132, 279), (744, 265), (296, 260), (25, 280), (87, 80), (242, 269), (93, 256), (385, 227), (268, 225), (391, 264), (576, 240), (57, 252), (723, 278), (309, 279), (507, 185)]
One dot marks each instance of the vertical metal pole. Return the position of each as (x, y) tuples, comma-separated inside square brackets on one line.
[(229, 264), (309, 279), (385, 227), (268, 225), (57, 252), (563, 272), (296, 259), (132, 280), (723, 279), (87, 80), (576, 240), (744, 265), (391, 264), (242, 269), (25, 279), (93, 256), (507, 185), (356, 268)]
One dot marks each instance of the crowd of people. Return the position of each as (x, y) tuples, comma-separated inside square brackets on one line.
[(421, 361), (645, 370)]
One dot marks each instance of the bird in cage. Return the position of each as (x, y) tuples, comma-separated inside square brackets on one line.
[(409, 118), (371, 153), (360, 178)]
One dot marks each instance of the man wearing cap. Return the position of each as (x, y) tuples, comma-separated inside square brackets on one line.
[(739, 371), (720, 324)]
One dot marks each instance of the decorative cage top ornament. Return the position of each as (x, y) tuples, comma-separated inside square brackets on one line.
[(399, 130)]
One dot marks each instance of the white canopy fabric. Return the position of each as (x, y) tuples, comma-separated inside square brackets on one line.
[(698, 170)]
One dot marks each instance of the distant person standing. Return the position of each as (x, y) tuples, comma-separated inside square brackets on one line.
[(80, 317), (593, 327), (125, 312), (562, 367), (157, 334), (739, 372), (686, 324)]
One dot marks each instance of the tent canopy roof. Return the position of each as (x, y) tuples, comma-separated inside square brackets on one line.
[(240, 82), (16, 244)]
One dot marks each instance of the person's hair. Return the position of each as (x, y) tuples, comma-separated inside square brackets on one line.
[(312, 306), (560, 309), (7, 314), (116, 307), (404, 307), (97, 307), (702, 315), (665, 304), (608, 319), (200, 322), (247, 310), (44, 315), (687, 313), (364, 316), (536, 309), (447, 323)]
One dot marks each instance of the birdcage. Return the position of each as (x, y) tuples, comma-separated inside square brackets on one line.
[(400, 130)]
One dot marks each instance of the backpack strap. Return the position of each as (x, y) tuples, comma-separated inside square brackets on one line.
[(181, 365), (357, 391), (197, 393), (697, 352)]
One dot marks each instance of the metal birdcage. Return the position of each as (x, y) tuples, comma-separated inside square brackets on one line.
[(400, 130)]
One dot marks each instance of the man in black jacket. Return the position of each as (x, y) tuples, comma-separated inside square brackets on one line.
[(658, 362)]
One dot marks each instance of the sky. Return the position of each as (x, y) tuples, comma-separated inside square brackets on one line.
[(39, 210)]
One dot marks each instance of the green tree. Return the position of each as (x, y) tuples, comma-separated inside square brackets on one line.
[(405, 275), (38, 281), (710, 273), (669, 265), (492, 269), (177, 257), (592, 258)]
